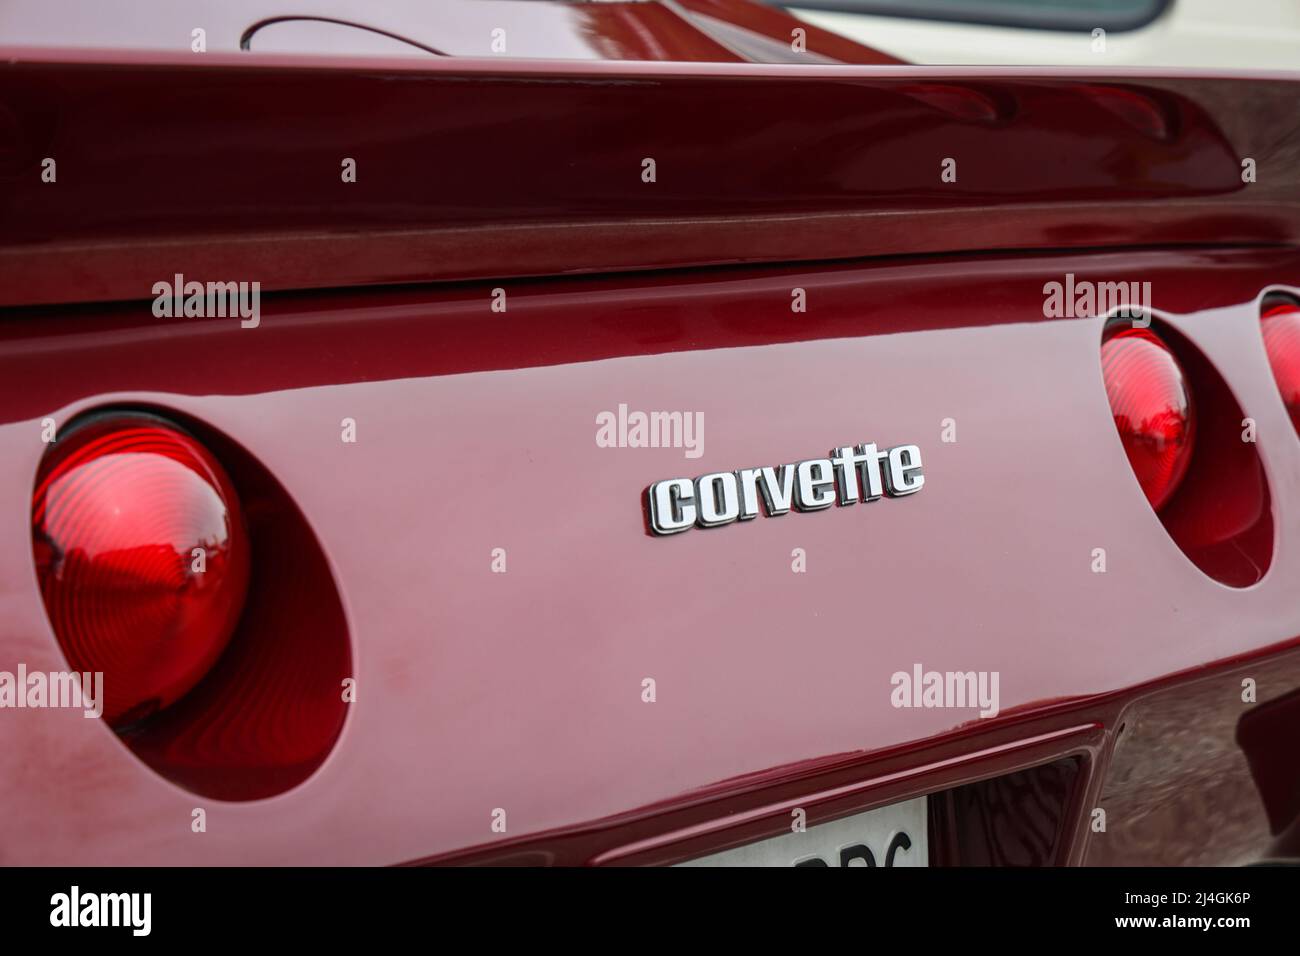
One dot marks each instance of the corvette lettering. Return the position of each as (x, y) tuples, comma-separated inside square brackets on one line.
[(849, 475)]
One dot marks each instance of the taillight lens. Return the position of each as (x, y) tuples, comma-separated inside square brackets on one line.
[(1153, 409), (1281, 328), (141, 555)]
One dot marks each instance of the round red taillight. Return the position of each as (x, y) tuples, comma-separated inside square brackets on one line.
[(1152, 406), (1281, 328), (141, 555)]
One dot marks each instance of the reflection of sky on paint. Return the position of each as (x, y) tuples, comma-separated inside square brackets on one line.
[(461, 28)]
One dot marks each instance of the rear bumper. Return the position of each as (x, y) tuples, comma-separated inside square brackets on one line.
[(522, 691)]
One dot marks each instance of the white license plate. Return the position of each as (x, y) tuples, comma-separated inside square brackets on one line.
[(887, 836)]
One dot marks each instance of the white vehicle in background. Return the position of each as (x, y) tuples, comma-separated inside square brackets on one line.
[(1257, 34)]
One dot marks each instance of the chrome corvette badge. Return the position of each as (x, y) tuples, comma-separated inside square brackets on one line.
[(849, 475)]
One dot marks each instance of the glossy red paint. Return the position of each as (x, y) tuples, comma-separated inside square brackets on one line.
[(476, 431), (234, 166), (723, 31)]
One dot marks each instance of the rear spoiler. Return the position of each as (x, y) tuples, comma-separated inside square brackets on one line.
[(473, 169)]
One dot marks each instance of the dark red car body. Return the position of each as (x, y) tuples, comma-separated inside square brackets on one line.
[(477, 690)]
